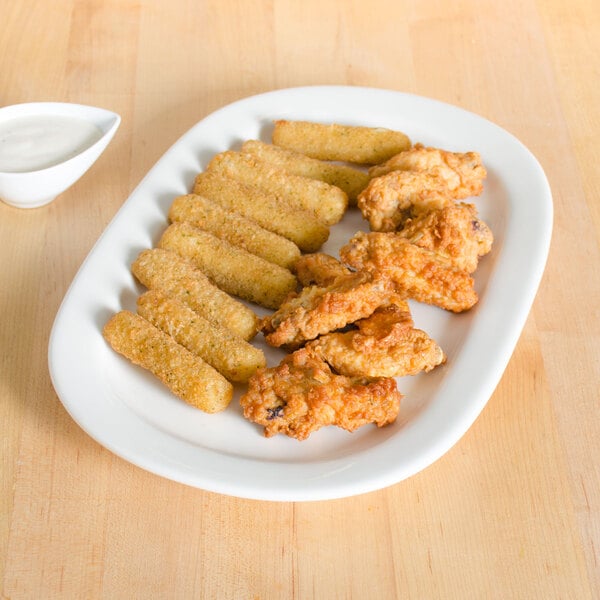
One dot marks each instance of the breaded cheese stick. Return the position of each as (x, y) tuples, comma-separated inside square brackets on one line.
[(233, 357), (300, 226), (363, 145), (185, 374), (326, 201), (233, 269), (236, 229), (166, 270), (349, 179)]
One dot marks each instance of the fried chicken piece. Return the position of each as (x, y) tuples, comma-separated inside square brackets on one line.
[(302, 395), (389, 200), (416, 272), (463, 172), (318, 310), (454, 232), (319, 269), (384, 345), (416, 179), (393, 315)]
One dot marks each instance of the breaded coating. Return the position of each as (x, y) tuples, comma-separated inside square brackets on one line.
[(389, 200), (417, 273), (302, 394), (327, 202), (233, 269), (384, 345), (463, 172), (454, 232), (349, 179), (274, 214), (184, 373), (231, 355), (234, 228), (318, 310), (167, 271), (348, 143), (319, 269)]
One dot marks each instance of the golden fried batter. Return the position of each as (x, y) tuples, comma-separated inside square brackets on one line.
[(416, 272), (384, 345), (463, 172), (416, 181), (318, 310), (302, 395), (454, 232), (319, 269), (388, 201)]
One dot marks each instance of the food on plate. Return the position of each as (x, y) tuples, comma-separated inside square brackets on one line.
[(300, 226), (318, 310), (349, 143), (319, 269), (388, 201), (184, 373), (235, 228), (350, 179), (325, 201), (161, 269), (386, 344), (463, 172), (302, 394), (416, 181), (417, 273), (231, 268), (228, 353), (453, 232), (253, 227)]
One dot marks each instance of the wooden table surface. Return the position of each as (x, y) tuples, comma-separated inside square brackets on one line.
[(511, 511)]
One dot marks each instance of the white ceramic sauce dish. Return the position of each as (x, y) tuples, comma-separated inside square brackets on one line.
[(75, 137)]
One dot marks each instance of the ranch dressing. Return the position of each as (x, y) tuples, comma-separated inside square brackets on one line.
[(41, 141)]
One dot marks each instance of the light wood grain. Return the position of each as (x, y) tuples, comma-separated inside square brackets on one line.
[(512, 511)]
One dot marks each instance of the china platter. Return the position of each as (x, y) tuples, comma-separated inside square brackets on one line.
[(129, 412)]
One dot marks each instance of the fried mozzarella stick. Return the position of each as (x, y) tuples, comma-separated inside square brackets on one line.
[(167, 271), (186, 375), (300, 226), (363, 145), (233, 269), (233, 357), (236, 229), (347, 178), (327, 202)]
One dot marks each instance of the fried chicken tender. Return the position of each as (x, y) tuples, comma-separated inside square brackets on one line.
[(318, 310), (319, 269), (384, 345), (453, 232), (388, 201), (302, 395), (463, 172), (417, 273)]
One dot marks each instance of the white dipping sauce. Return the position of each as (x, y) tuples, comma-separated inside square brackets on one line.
[(37, 142)]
